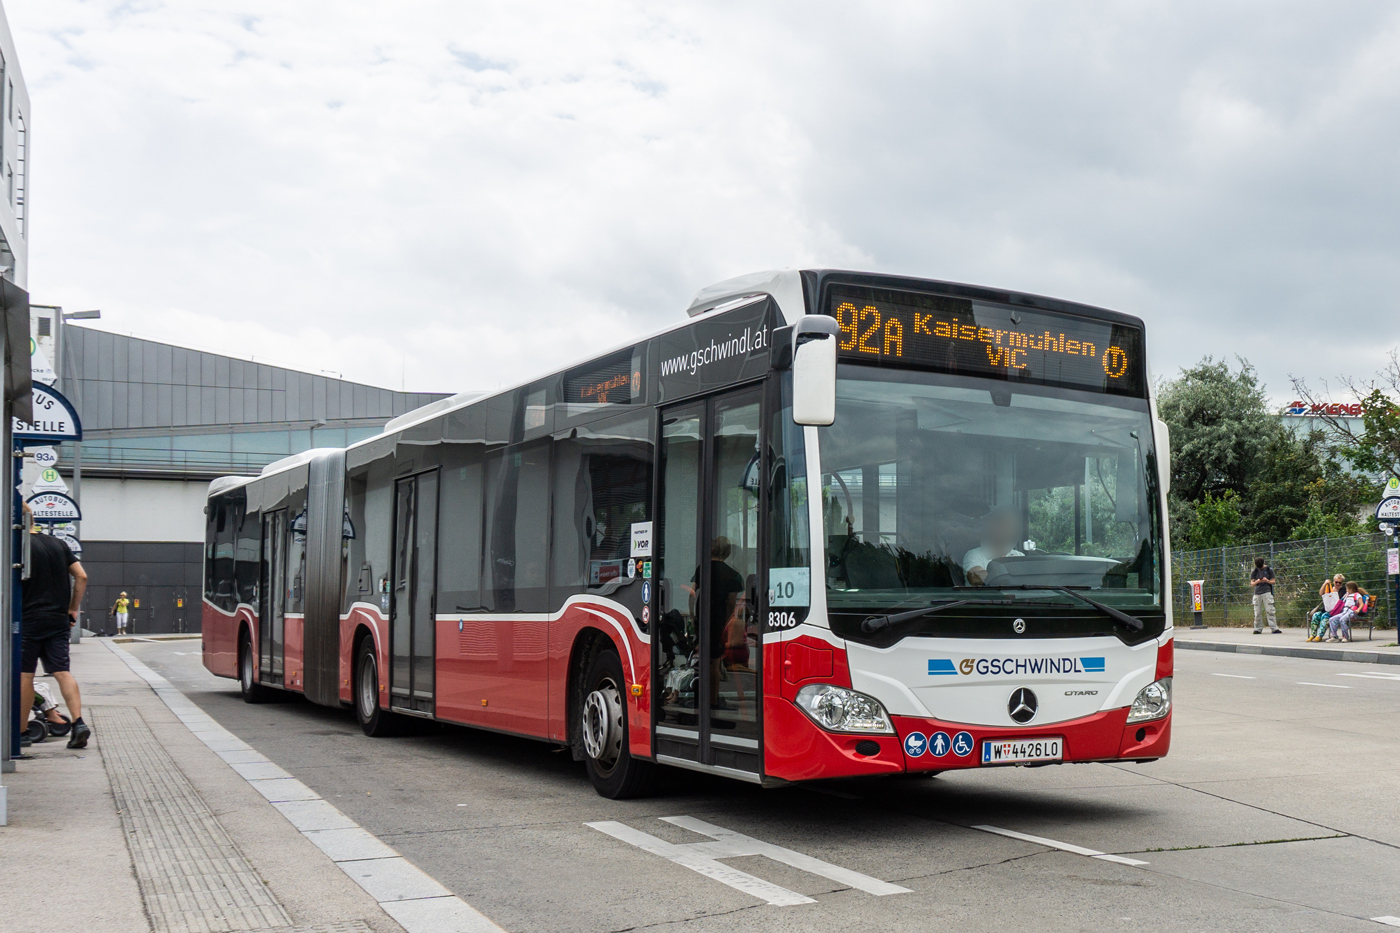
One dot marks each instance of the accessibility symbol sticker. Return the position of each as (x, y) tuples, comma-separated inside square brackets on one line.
[(915, 744), (938, 744), (962, 744)]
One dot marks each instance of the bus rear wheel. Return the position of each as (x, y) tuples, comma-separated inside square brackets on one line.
[(603, 732), (253, 692), (374, 722)]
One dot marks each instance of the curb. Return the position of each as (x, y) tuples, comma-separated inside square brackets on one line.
[(1282, 651)]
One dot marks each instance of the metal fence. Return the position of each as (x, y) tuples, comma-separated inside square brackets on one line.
[(1299, 567)]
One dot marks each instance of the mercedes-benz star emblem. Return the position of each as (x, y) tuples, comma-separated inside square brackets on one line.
[(1022, 705), (1020, 626)]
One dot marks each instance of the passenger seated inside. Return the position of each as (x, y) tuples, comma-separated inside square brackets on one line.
[(1000, 530)]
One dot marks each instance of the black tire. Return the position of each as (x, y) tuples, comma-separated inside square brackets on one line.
[(36, 731), (602, 731), (59, 729), (252, 691), (374, 722)]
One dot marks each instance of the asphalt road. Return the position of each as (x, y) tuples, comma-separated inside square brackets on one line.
[(1278, 809)]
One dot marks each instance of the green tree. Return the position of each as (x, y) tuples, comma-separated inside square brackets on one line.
[(1216, 521), (1239, 476), (1220, 427)]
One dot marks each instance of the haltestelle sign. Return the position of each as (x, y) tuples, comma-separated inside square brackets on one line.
[(1300, 409)]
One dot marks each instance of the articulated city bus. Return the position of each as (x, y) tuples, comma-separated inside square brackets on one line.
[(834, 524)]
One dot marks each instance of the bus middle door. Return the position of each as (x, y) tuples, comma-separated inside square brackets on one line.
[(413, 612)]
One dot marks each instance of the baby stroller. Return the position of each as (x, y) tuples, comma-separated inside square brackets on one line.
[(41, 727)]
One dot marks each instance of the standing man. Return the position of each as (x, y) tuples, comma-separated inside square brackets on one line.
[(122, 610), (1263, 580), (52, 595)]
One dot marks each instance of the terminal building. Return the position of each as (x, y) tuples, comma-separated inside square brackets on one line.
[(161, 421)]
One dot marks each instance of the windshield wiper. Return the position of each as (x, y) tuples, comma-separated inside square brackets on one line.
[(1117, 615), (875, 624)]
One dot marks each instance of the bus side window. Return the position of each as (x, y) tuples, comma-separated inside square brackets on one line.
[(459, 529), (602, 486), (517, 529)]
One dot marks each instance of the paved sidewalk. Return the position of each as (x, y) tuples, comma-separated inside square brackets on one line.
[(149, 831), (1293, 643)]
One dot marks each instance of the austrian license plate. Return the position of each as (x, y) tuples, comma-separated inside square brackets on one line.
[(1016, 751)]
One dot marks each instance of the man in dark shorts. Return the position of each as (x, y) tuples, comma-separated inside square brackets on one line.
[(52, 595)]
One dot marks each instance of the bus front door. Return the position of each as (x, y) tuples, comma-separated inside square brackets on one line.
[(412, 615), (705, 647)]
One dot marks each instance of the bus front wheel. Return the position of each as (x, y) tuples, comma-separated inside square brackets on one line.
[(603, 732)]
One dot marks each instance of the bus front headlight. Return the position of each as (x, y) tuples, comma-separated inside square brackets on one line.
[(837, 709), (1153, 702)]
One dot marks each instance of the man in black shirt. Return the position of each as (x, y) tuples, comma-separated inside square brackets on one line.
[(52, 594), (1263, 580)]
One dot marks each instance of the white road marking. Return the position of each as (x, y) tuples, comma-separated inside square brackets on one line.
[(1062, 846), (1374, 675), (1240, 676), (1309, 683), (703, 858), (411, 896), (1388, 921)]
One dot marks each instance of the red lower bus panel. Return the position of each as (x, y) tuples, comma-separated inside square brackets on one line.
[(1103, 736), (362, 615), (797, 750), (1147, 739), (294, 635), (220, 631)]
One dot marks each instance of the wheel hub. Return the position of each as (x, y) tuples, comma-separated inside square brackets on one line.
[(602, 724)]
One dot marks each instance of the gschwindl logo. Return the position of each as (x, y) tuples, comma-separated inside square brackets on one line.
[(1015, 666)]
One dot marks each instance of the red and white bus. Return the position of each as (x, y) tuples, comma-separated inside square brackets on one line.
[(834, 524)]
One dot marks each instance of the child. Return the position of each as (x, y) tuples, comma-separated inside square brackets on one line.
[(1339, 627)]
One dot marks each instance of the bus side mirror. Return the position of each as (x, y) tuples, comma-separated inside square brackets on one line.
[(814, 369), (1164, 454)]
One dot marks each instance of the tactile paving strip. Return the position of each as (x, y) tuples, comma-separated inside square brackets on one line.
[(193, 878)]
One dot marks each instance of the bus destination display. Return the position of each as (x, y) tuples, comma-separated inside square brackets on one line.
[(955, 335)]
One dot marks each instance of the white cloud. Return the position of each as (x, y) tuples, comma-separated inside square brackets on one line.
[(490, 190)]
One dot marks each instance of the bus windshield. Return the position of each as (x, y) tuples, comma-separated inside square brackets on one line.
[(938, 488)]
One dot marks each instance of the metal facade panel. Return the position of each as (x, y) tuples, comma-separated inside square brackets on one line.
[(264, 409), (292, 409), (235, 401), (150, 409), (221, 403), (106, 357), (165, 414), (318, 398), (150, 368), (117, 416), (221, 370), (134, 358)]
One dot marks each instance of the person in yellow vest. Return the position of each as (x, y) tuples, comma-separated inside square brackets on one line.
[(122, 610)]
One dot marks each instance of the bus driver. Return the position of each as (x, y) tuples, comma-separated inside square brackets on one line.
[(1000, 529)]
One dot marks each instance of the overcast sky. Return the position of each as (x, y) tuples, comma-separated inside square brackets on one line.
[(448, 195)]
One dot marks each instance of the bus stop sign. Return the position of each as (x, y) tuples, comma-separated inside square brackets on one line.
[(51, 508), (1389, 510)]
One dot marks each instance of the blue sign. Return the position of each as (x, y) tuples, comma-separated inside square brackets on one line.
[(646, 591), (915, 744), (962, 744), (939, 743)]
